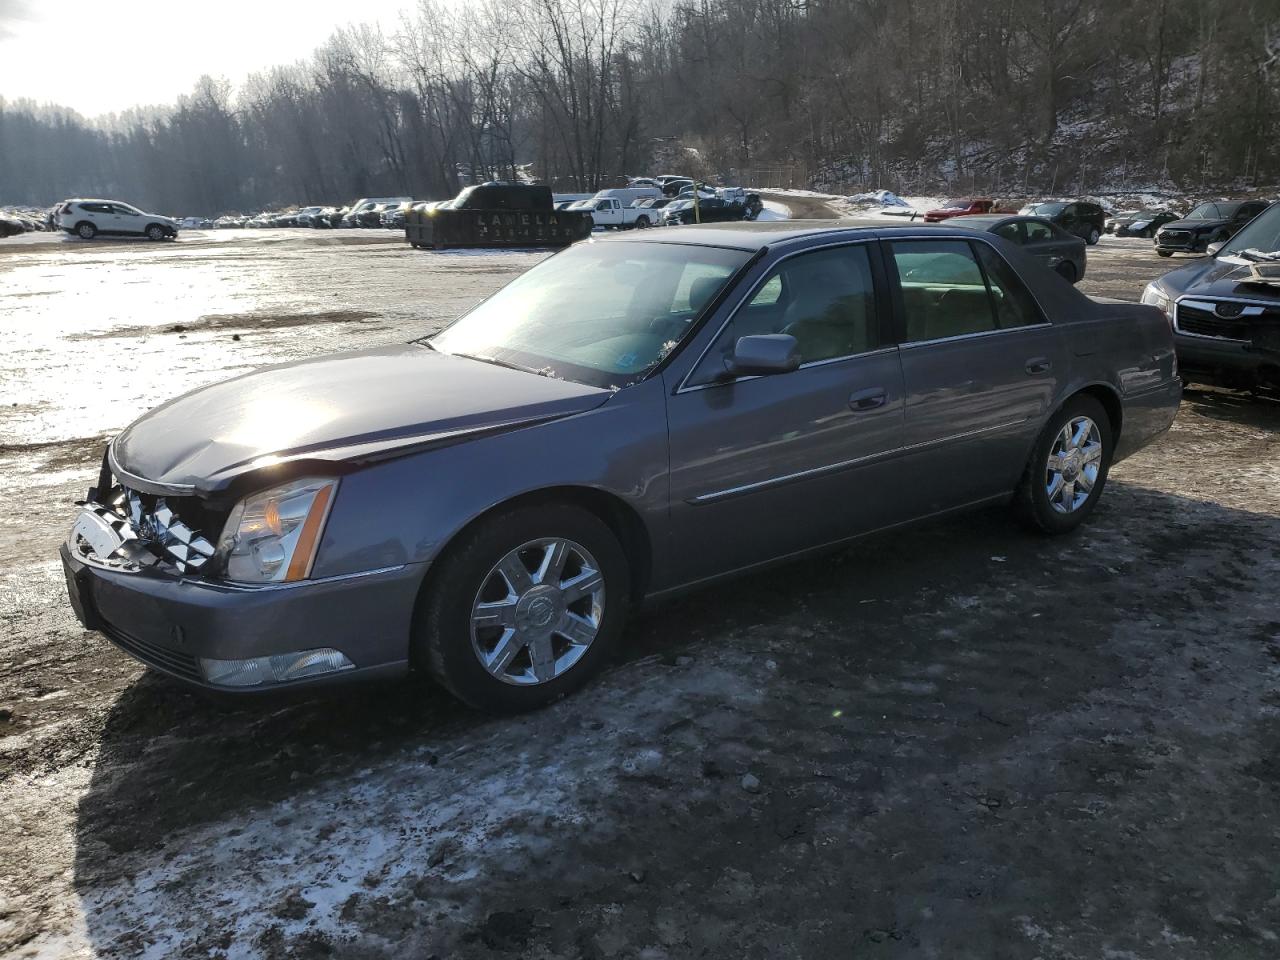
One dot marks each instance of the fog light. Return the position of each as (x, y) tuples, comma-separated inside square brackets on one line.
[(281, 668)]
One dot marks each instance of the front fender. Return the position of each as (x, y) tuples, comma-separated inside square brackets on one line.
[(408, 509)]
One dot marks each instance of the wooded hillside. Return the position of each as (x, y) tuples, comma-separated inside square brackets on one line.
[(1004, 96)]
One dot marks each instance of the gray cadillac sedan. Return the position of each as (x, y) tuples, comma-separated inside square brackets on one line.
[(633, 416)]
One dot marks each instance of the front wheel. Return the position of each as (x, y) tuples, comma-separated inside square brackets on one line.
[(1068, 468), (1164, 253), (156, 232), (525, 608), (1067, 270)]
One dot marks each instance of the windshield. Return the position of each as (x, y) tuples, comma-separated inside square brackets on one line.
[(600, 313), (957, 205), (1212, 211), (1047, 209), (1262, 235)]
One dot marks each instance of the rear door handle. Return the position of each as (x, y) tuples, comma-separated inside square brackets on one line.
[(868, 399), (1038, 365)]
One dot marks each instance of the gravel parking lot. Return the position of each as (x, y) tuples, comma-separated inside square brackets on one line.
[(957, 741)]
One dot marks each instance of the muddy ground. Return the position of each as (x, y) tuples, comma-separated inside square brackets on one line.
[(955, 742)]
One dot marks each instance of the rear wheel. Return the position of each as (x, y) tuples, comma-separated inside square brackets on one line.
[(642, 223), (1093, 237), (1068, 468), (1164, 253), (86, 230), (525, 608)]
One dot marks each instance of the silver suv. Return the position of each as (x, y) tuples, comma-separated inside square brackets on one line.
[(89, 218)]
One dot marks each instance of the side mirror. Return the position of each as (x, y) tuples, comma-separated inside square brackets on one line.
[(763, 354), (1213, 248)]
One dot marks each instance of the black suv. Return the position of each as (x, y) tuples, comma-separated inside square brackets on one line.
[(1208, 223), (1225, 309), (1080, 217)]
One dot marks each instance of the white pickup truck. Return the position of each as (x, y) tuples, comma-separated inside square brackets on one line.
[(609, 212)]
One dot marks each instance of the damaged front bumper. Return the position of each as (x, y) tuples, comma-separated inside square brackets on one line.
[(127, 583)]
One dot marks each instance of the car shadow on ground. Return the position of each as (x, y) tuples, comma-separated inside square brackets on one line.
[(955, 713)]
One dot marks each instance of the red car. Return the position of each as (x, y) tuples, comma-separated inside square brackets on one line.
[(959, 208)]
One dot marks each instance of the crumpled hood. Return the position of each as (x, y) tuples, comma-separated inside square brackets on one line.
[(339, 407), (1216, 277)]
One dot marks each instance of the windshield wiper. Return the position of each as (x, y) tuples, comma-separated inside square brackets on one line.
[(1254, 255), (483, 358)]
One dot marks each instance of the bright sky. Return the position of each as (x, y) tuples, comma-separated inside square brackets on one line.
[(102, 56)]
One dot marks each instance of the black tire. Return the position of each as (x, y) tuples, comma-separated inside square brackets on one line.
[(86, 230), (1164, 253), (1067, 270), (442, 626), (1093, 237), (1031, 501), (156, 232), (642, 223)]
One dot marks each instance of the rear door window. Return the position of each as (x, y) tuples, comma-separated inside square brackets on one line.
[(1010, 231), (943, 290), (1014, 306), (1037, 232)]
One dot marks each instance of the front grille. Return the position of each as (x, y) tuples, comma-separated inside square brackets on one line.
[(162, 658), (155, 523), (1175, 236), (1206, 323)]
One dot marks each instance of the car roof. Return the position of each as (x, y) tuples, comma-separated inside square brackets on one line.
[(753, 236), (987, 218), (985, 221)]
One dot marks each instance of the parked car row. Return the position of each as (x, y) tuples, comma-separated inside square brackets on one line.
[(1208, 223), (16, 220), (666, 201)]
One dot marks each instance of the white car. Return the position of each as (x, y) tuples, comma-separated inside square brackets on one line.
[(111, 218)]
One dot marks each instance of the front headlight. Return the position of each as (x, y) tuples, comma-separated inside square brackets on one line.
[(1155, 297), (272, 536)]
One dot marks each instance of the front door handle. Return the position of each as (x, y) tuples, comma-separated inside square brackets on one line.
[(868, 399), (1038, 365)]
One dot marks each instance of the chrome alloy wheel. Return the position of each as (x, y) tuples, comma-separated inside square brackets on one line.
[(1074, 461), (537, 611)]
